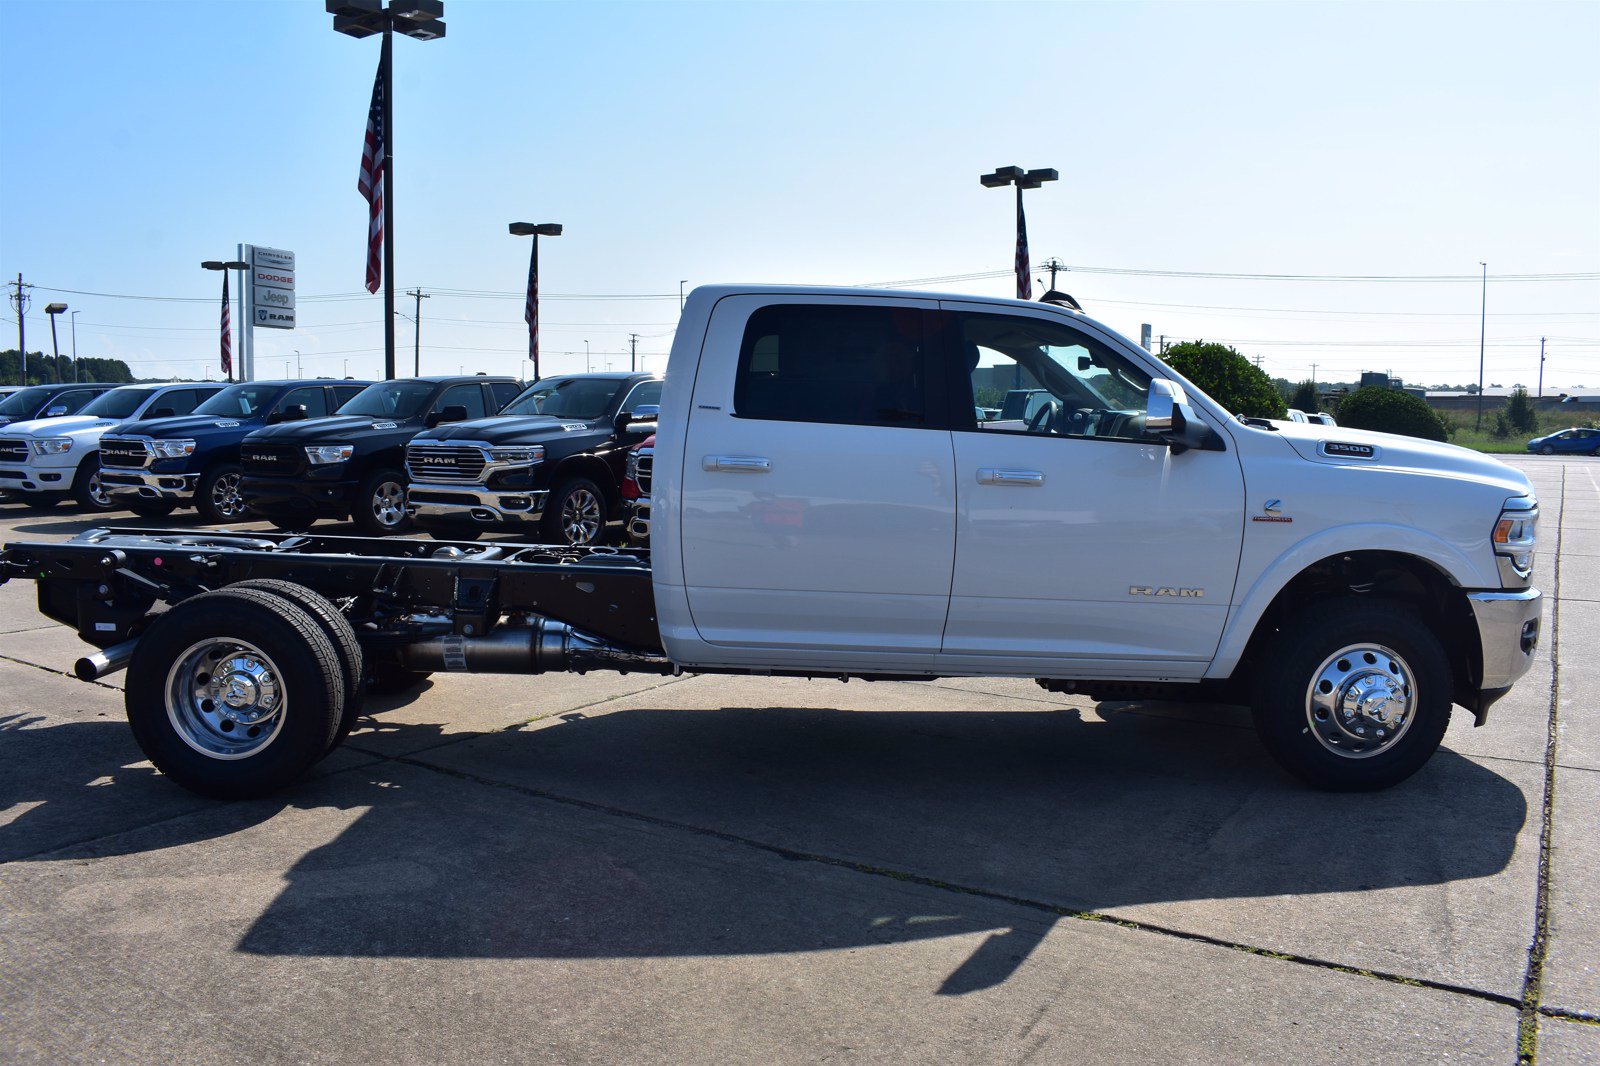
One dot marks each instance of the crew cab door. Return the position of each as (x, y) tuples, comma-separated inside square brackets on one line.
[(818, 510), (1080, 541)]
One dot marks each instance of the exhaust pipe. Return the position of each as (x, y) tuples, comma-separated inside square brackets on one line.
[(545, 646), (104, 662)]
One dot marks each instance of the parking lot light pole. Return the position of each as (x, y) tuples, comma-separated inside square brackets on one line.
[(241, 266), (531, 309), (1022, 179), (53, 310), (421, 20), (73, 319)]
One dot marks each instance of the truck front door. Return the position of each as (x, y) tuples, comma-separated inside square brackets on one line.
[(818, 510), (1084, 546)]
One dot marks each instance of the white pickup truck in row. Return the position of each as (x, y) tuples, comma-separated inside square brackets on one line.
[(826, 502)]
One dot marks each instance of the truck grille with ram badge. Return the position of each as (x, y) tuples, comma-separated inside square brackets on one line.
[(13, 450), (271, 460), (427, 461), (125, 453)]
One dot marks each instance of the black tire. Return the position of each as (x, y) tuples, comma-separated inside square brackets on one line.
[(575, 514), (297, 663), (38, 501), (336, 627), (1547, 450), (374, 500), (87, 491), (1389, 647), (146, 508), (391, 679), (217, 496)]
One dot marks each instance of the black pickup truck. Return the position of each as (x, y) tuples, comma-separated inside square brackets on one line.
[(351, 464), (157, 465), (553, 459)]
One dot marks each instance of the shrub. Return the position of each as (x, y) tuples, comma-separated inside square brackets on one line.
[(1519, 413), (1305, 398), (1225, 375), (1391, 411)]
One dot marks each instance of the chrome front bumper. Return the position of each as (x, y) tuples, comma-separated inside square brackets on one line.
[(474, 503), (147, 486), (1508, 632), (636, 520)]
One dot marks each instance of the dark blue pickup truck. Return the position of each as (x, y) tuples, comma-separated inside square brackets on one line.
[(157, 465)]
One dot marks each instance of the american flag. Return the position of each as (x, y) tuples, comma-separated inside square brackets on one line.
[(371, 182), (227, 330), (1024, 280), (530, 312)]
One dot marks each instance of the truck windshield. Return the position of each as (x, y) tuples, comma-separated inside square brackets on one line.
[(25, 402), (239, 401), (390, 399), (582, 398), (118, 403)]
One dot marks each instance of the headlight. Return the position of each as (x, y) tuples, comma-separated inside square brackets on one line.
[(172, 449), (527, 454), (1515, 533), (631, 468), (53, 446), (323, 454)]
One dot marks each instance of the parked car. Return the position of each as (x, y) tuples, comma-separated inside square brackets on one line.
[(352, 464), (1321, 418), (552, 460), (831, 506), (47, 401), (1295, 415), (1574, 441), (636, 482), (154, 466), (45, 460)]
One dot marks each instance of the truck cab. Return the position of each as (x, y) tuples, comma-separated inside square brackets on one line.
[(47, 401), (154, 466), (351, 465), (552, 461), (47, 460)]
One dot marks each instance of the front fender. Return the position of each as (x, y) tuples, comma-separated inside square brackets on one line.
[(1249, 608)]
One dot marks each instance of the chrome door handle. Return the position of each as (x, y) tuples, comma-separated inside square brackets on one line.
[(745, 464), (991, 476)]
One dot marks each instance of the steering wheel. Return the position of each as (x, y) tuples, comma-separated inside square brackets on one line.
[(1044, 418)]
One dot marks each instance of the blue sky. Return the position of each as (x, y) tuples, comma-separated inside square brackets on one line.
[(827, 143)]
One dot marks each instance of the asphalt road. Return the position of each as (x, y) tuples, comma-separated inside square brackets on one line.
[(709, 869)]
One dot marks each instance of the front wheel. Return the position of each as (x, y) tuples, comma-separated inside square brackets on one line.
[(380, 504), (87, 489), (1547, 450), (234, 694), (217, 498), (575, 513), (1353, 695)]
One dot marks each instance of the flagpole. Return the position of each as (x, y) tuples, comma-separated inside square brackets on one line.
[(387, 62)]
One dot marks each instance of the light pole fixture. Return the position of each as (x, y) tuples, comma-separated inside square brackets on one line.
[(226, 343), (53, 310), (1022, 179), (421, 20), (530, 309)]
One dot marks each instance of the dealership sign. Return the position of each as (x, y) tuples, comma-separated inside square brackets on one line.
[(271, 297)]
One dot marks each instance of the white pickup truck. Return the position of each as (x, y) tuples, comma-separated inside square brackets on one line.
[(826, 502)]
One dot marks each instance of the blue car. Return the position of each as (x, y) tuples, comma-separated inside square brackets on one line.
[(1568, 442)]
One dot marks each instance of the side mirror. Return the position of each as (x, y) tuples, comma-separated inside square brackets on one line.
[(454, 413), (295, 412), (160, 412), (645, 412), (1169, 416)]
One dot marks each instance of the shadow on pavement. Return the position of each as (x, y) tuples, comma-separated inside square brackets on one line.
[(1042, 806)]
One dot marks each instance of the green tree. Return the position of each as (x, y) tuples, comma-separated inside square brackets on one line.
[(1391, 411), (1305, 398), (1225, 375), (1519, 412)]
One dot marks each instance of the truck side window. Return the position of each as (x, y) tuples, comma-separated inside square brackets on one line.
[(504, 392), (314, 397), (343, 394), (69, 402), (869, 366), (1031, 375), (642, 393), (179, 401), (469, 396)]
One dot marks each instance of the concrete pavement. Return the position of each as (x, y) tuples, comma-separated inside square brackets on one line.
[(714, 869)]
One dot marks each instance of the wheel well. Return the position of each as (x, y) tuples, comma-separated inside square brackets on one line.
[(593, 468), (1415, 584)]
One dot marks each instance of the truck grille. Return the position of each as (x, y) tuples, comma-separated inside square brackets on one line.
[(444, 462), (13, 450), (270, 460), (646, 461), (126, 453)]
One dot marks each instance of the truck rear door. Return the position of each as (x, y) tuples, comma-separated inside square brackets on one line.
[(818, 508)]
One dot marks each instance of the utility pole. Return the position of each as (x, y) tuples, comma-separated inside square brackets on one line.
[(1053, 265), (1541, 368), (1313, 377), (73, 318), (1483, 319), (633, 353), (20, 300), (416, 370)]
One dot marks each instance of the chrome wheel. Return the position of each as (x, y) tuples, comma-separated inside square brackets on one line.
[(1361, 701), (97, 491), (389, 504), (582, 515), (225, 496), (225, 698)]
